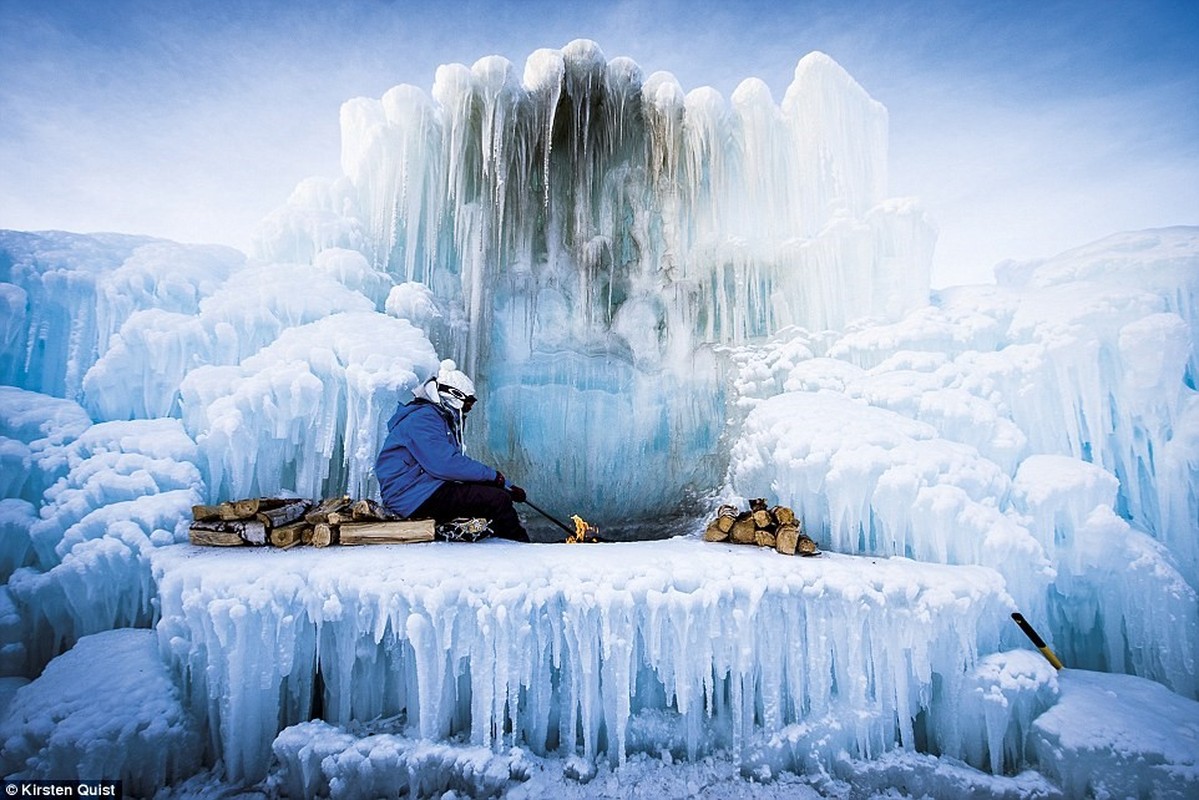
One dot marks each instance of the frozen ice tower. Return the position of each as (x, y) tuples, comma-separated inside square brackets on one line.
[(597, 236)]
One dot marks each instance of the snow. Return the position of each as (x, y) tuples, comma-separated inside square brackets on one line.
[(108, 709), (1138, 741), (668, 299)]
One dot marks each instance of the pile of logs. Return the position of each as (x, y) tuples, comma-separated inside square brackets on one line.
[(288, 522), (775, 527)]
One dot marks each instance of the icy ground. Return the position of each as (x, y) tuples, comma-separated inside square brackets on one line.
[(247, 620)]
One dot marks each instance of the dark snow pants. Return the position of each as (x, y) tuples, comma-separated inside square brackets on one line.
[(452, 500)]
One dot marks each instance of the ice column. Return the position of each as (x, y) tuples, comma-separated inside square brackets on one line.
[(593, 234)]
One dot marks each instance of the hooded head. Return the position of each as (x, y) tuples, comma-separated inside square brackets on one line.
[(451, 388)]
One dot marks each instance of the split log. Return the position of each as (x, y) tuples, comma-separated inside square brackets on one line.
[(715, 533), (401, 532), (370, 511), (205, 513), (270, 503), (231, 510), (743, 529), (807, 547), (208, 538), (324, 534), (725, 517), (287, 513), (757, 504), (764, 538), (251, 531), (326, 507), (291, 535), (249, 507), (783, 515), (786, 539), (762, 519)]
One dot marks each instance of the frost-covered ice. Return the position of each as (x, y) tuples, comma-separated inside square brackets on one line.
[(107, 709), (307, 412), (317, 759), (400, 633), (34, 428), (1004, 694), (669, 299), (871, 480), (78, 290), (526, 645), (588, 280), (124, 488), (1119, 736)]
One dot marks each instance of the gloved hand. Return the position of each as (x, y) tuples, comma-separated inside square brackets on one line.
[(518, 494)]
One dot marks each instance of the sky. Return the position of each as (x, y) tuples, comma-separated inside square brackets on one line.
[(1024, 128)]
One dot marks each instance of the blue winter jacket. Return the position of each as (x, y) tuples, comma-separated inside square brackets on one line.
[(422, 452)]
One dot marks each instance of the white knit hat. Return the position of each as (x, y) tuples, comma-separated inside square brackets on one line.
[(451, 388)]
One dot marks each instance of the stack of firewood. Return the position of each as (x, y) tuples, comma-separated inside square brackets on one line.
[(288, 522), (775, 527)]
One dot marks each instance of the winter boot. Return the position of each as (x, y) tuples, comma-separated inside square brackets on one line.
[(464, 529)]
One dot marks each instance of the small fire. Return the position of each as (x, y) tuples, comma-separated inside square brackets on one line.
[(583, 530)]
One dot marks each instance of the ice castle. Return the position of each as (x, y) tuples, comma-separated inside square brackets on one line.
[(668, 300)]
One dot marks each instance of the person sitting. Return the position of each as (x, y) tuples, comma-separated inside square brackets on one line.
[(423, 469)]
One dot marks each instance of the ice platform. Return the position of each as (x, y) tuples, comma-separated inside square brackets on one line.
[(570, 648)]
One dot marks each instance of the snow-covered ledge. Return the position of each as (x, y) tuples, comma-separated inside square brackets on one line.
[(560, 647)]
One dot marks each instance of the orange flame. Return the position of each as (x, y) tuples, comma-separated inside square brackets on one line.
[(582, 530)]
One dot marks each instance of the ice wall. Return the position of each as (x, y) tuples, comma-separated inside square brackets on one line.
[(34, 428), (307, 414), (1043, 426), (210, 379), (594, 233), (868, 480), (66, 294), (570, 648), (124, 488), (1115, 325), (136, 328)]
